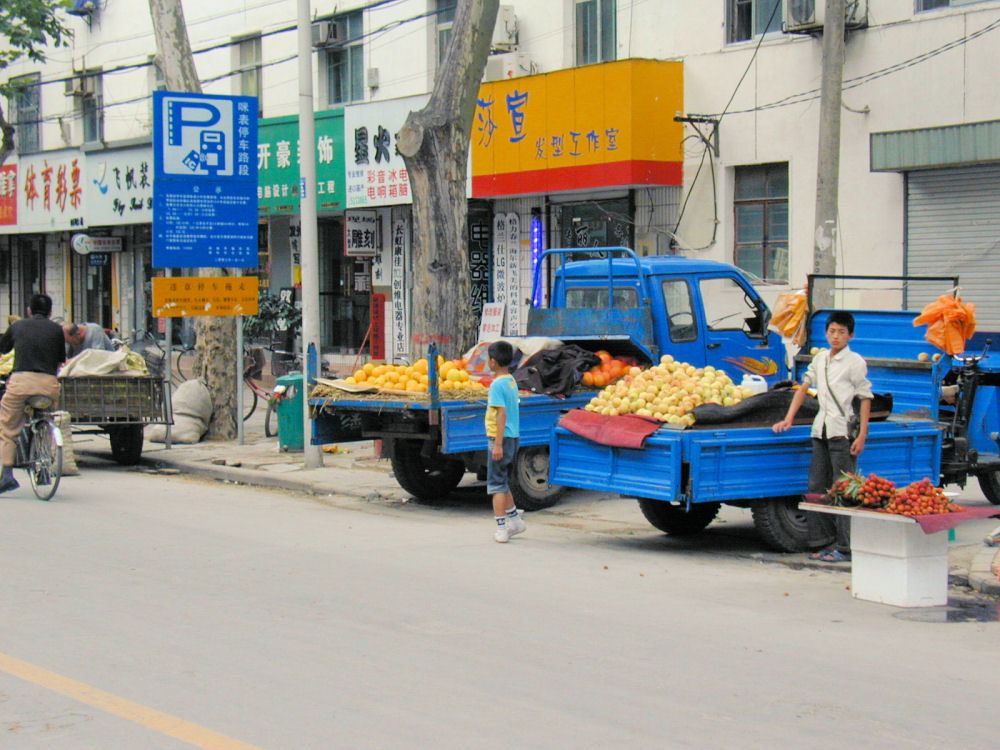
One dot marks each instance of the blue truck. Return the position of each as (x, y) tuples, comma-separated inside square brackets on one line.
[(944, 425), (607, 298)]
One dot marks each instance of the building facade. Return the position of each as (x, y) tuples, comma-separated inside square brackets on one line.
[(669, 127)]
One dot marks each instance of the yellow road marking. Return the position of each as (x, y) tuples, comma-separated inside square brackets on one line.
[(112, 704)]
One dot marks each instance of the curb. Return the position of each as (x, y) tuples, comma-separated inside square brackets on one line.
[(981, 573)]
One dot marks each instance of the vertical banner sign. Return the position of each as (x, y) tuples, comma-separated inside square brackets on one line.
[(378, 326), (500, 259), (8, 195), (382, 263), (400, 322), (361, 233), (514, 301), (205, 186)]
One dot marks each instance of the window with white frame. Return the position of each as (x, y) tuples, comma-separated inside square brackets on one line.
[(760, 206), (25, 106), (249, 70), (90, 106), (932, 4), (445, 18), (345, 62), (596, 31), (746, 19)]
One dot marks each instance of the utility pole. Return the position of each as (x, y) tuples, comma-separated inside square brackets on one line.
[(308, 239), (828, 161)]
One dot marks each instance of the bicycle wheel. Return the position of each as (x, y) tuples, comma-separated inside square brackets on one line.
[(45, 460), (249, 400), (270, 420), (185, 364)]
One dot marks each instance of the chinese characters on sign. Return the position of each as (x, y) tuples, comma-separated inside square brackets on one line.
[(50, 194), (507, 268), (598, 126), (361, 233), (278, 153), (378, 326), (8, 195), (400, 319), (120, 187), (180, 296), (376, 174), (205, 192), (491, 324)]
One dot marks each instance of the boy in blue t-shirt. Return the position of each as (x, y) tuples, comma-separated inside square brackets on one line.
[(503, 427)]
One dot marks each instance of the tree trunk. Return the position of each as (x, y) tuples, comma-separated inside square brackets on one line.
[(215, 361), (434, 143)]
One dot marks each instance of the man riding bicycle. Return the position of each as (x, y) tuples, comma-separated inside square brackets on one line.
[(39, 350)]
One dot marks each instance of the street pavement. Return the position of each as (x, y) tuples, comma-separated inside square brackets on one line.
[(353, 470)]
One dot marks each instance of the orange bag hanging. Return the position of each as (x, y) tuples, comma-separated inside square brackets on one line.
[(789, 316), (950, 323)]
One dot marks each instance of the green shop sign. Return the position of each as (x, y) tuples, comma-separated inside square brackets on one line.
[(278, 163)]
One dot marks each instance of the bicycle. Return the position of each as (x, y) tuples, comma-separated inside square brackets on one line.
[(39, 447), (282, 363), (154, 355)]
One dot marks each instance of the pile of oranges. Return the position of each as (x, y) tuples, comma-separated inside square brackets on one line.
[(610, 369), (452, 376)]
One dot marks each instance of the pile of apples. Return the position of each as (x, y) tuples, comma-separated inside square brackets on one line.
[(610, 369), (668, 392), (452, 376)]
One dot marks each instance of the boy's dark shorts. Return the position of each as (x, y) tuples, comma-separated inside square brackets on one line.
[(498, 472)]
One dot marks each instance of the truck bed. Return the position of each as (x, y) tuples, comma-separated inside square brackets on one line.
[(460, 422), (734, 464)]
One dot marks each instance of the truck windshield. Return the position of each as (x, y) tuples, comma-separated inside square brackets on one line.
[(596, 297), (728, 306)]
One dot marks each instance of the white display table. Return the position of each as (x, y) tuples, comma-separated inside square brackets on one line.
[(892, 560)]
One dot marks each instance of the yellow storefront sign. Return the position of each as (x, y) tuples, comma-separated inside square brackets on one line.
[(180, 296), (596, 126)]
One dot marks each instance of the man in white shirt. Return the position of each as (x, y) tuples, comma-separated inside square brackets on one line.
[(839, 376)]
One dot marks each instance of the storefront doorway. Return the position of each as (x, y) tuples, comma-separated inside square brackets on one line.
[(344, 292)]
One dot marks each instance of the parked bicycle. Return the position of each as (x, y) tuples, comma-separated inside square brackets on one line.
[(39, 447), (282, 363), (148, 346)]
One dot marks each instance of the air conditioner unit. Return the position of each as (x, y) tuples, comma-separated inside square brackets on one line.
[(807, 16), (325, 33), (505, 30), (80, 86), (508, 65)]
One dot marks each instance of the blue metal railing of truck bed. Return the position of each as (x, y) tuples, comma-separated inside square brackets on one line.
[(734, 464)]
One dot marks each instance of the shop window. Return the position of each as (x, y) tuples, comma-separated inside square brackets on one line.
[(25, 106), (596, 32), (250, 70), (445, 19), (345, 62), (746, 19), (90, 107), (761, 221)]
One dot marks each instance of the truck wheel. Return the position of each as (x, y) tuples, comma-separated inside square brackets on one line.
[(126, 443), (424, 478), (529, 479), (782, 525), (989, 483), (674, 519)]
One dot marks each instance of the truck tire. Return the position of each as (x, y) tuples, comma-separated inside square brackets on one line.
[(424, 478), (674, 519), (529, 479), (989, 483), (782, 525), (126, 443)]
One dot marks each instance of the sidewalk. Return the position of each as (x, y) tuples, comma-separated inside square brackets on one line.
[(352, 470)]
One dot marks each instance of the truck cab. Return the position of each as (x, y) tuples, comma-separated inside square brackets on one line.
[(699, 311)]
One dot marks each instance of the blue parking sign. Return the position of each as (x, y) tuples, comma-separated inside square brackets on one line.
[(205, 180)]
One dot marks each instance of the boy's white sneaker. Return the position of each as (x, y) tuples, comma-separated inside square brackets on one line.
[(501, 534), (515, 525)]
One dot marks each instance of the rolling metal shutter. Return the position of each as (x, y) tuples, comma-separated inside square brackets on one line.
[(953, 227)]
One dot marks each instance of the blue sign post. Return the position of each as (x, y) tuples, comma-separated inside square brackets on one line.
[(205, 180)]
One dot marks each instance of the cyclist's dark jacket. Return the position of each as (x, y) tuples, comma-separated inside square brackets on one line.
[(38, 344)]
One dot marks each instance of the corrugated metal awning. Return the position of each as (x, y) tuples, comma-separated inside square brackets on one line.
[(931, 148)]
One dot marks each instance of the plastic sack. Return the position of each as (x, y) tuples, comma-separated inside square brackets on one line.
[(789, 317), (950, 323)]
